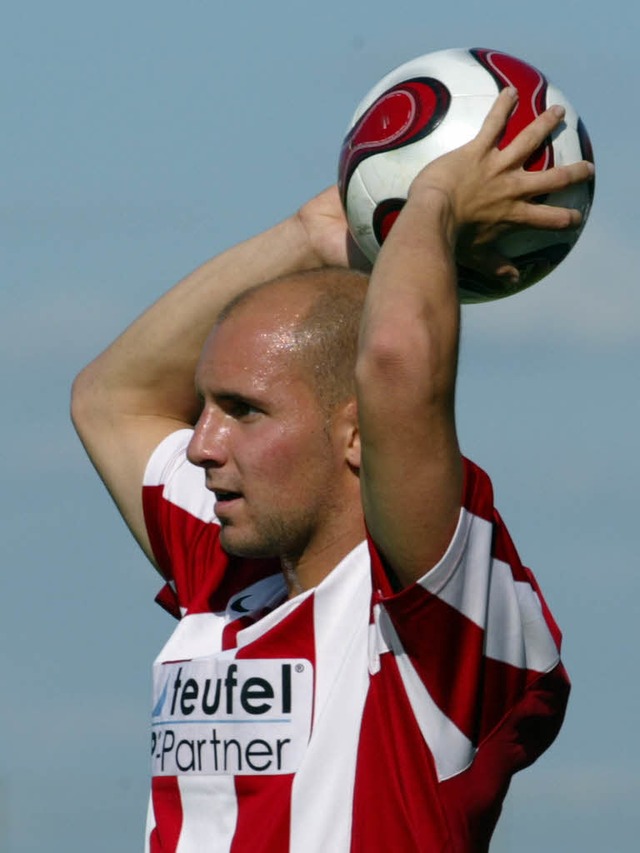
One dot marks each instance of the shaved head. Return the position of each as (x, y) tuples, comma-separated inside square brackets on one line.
[(319, 312)]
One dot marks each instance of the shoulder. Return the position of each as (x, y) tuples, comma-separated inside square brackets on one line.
[(178, 514), (172, 482)]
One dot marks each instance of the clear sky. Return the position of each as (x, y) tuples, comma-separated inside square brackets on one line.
[(138, 138)]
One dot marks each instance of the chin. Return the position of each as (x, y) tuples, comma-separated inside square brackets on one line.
[(271, 539), (239, 546)]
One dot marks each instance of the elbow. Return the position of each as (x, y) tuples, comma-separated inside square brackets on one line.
[(393, 360), (78, 403), (388, 374), (407, 369), (380, 362), (87, 402)]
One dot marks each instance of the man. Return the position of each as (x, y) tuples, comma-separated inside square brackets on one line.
[(361, 662)]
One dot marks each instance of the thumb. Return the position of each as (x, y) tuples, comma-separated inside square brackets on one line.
[(490, 263)]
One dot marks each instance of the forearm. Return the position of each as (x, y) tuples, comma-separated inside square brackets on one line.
[(149, 369), (411, 318)]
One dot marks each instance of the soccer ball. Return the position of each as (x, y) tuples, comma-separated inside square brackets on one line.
[(430, 106)]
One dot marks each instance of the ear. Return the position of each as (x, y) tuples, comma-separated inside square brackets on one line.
[(350, 432)]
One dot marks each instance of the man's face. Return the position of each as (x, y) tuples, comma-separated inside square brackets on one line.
[(268, 452)]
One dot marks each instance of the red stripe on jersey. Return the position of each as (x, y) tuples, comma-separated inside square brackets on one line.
[(264, 802), (291, 637), (396, 804), (152, 504), (264, 814), (446, 650), (184, 546), (230, 632), (502, 687), (167, 808), (473, 799), (168, 600), (477, 491)]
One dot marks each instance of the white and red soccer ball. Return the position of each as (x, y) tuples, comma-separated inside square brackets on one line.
[(430, 106)]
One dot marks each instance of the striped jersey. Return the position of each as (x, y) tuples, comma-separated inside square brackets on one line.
[(352, 717)]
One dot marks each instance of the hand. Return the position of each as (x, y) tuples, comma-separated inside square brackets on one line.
[(489, 191), (325, 224)]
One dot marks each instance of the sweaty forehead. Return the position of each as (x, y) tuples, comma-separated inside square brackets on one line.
[(271, 315), (251, 346), (270, 325)]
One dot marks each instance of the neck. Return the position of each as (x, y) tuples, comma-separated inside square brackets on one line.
[(312, 567)]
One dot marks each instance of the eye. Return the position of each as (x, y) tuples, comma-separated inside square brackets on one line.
[(240, 409)]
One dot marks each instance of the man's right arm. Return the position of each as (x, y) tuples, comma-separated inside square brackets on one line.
[(141, 388)]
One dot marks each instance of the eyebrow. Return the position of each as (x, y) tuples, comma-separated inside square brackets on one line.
[(223, 396)]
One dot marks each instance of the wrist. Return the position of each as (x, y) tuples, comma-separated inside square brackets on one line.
[(307, 252), (435, 206)]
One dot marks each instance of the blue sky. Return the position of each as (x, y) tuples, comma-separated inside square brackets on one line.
[(140, 138)]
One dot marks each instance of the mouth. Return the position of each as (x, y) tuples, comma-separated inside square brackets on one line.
[(224, 500), (225, 497)]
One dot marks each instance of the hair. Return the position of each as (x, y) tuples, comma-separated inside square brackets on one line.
[(325, 334)]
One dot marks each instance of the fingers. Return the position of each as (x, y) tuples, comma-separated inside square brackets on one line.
[(529, 139), (546, 217), (534, 135), (557, 178), (489, 264), (550, 181), (494, 124)]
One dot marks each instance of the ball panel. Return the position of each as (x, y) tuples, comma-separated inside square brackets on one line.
[(384, 216), (402, 115), (361, 209), (556, 96), (454, 65), (390, 173), (532, 97)]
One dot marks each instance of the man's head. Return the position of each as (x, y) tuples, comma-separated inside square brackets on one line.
[(323, 323), (278, 435)]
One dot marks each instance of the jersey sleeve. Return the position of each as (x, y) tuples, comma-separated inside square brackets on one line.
[(180, 521), (477, 647)]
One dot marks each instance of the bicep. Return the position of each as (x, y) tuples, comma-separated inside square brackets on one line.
[(411, 470)]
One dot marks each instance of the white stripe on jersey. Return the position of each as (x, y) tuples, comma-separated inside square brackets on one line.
[(466, 591), (209, 810), (517, 634), (452, 751), (150, 826), (323, 823), (195, 635), (182, 482), (508, 611), (200, 634)]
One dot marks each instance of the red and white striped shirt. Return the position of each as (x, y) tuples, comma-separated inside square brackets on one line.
[(350, 718)]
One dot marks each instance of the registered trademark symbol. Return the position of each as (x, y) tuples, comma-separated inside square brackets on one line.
[(299, 667)]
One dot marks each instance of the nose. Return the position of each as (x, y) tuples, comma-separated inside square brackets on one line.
[(209, 443)]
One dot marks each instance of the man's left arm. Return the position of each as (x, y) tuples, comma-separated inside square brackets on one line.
[(412, 471)]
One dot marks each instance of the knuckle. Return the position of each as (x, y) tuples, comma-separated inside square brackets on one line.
[(566, 217)]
